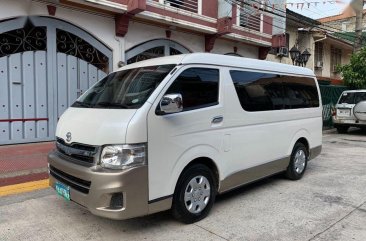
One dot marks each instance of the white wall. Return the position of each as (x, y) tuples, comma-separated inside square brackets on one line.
[(139, 33), (223, 46)]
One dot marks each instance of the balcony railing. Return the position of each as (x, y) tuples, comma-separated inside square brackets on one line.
[(194, 6)]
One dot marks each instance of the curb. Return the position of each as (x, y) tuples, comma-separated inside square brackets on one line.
[(22, 173), (23, 187), (23, 178)]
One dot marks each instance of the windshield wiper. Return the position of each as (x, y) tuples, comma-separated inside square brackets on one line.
[(109, 104), (80, 104)]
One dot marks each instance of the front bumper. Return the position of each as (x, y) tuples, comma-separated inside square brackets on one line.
[(132, 183)]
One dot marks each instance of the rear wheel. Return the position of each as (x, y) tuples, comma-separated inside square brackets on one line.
[(342, 129), (298, 162), (194, 194)]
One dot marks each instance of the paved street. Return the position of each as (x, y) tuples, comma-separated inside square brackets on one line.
[(329, 203)]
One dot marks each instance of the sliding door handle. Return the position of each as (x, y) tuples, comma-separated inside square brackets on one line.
[(217, 119)]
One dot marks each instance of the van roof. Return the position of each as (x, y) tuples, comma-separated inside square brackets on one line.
[(223, 60)]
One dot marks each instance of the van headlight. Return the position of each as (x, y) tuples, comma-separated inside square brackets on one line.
[(123, 156)]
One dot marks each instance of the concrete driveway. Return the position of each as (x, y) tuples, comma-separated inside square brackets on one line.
[(329, 203)]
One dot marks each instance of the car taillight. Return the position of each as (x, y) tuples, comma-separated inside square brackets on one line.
[(334, 112)]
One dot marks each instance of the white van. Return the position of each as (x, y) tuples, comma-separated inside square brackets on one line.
[(172, 132)]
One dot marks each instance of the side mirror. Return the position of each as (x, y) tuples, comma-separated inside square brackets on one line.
[(171, 103)]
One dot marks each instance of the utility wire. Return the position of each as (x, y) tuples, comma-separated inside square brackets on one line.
[(339, 31), (247, 14), (327, 28), (276, 26)]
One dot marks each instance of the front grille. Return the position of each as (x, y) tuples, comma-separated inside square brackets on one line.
[(74, 182), (76, 151)]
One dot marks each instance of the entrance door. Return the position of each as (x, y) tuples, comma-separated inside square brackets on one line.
[(45, 64)]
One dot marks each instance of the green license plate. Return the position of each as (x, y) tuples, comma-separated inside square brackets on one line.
[(63, 190)]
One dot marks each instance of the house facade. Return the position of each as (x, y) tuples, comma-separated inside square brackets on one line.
[(330, 52), (327, 51), (53, 51)]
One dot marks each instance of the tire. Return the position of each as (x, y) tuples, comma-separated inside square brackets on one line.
[(298, 162), (197, 181), (342, 129)]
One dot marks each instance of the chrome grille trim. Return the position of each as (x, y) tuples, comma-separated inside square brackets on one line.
[(77, 153)]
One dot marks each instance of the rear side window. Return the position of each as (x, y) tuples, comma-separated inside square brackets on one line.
[(299, 92), (360, 96), (264, 92), (199, 87)]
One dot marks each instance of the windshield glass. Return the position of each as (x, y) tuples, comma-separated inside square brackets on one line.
[(352, 97), (126, 89)]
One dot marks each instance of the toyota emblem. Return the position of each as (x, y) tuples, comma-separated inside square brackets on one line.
[(68, 136)]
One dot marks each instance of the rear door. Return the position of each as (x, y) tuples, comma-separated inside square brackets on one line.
[(254, 123), (345, 105)]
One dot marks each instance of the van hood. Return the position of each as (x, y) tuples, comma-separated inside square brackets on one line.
[(94, 126)]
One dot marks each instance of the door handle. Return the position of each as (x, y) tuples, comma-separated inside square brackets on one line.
[(217, 119)]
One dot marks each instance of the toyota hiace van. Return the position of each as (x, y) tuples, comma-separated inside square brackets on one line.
[(173, 132)]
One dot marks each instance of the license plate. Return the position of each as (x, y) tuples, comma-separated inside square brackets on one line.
[(349, 121), (63, 190), (344, 112)]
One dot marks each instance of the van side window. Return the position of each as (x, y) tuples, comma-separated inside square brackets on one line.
[(258, 91), (199, 87), (299, 92), (263, 92)]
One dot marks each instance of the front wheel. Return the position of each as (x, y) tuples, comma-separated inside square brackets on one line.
[(298, 162), (194, 194)]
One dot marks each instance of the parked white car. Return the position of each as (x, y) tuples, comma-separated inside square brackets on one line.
[(172, 132), (350, 110)]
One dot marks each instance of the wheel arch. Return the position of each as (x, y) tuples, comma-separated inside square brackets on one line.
[(302, 136), (206, 161), (202, 154), (304, 141)]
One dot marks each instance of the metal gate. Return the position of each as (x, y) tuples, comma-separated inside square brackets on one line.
[(45, 64), (330, 95)]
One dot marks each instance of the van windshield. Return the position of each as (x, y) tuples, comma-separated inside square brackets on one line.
[(352, 97), (126, 89)]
